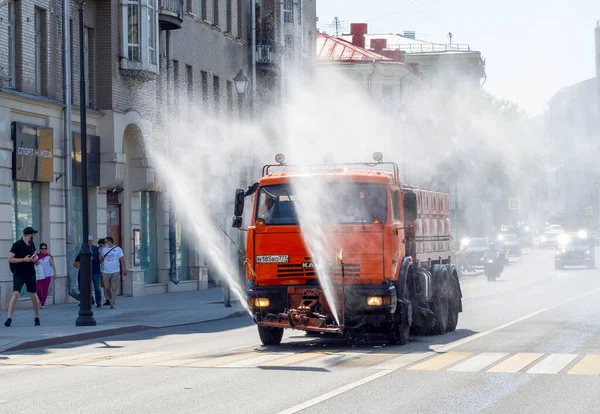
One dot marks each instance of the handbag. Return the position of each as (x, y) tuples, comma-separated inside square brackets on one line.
[(39, 272)]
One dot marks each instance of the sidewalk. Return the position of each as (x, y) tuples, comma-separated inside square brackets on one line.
[(129, 315)]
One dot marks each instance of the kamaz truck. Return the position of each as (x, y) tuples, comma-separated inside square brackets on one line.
[(393, 273)]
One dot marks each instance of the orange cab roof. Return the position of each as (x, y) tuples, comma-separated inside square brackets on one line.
[(338, 174)]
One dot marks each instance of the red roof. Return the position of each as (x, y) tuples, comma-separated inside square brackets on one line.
[(336, 49)]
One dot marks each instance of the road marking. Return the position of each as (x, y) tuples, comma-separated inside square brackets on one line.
[(254, 361), (590, 365), (403, 360), (479, 362), (19, 359), (516, 362), (440, 361), (553, 364), (455, 344), (336, 392), (292, 359), (58, 360), (92, 358), (366, 361), (123, 360), (209, 362), (323, 361), (167, 357), (175, 362)]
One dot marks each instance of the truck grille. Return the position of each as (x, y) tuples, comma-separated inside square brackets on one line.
[(350, 270), (294, 270)]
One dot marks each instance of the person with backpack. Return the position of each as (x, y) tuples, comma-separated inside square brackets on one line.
[(114, 264), (21, 258)]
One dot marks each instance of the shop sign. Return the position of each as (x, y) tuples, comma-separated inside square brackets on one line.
[(93, 158), (33, 158)]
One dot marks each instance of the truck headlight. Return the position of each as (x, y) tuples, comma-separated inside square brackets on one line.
[(490, 261), (587, 252), (558, 252), (374, 301), (260, 302)]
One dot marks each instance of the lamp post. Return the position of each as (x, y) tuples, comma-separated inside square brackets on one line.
[(241, 82), (86, 315)]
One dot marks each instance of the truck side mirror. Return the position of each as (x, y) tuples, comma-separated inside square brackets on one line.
[(410, 206), (238, 209)]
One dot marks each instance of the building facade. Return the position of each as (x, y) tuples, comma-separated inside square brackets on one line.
[(142, 58)]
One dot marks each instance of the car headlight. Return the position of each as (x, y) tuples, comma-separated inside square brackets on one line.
[(490, 261), (558, 252), (587, 252)]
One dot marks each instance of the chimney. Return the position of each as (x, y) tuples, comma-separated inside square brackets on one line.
[(378, 45), (410, 34), (358, 31)]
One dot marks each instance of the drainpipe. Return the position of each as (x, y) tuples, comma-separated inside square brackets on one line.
[(67, 148), (253, 54), (171, 207), (370, 79), (282, 45)]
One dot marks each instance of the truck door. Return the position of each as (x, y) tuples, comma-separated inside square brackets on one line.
[(394, 241)]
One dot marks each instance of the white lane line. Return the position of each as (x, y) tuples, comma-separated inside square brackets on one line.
[(553, 364), (336, 392), (455, 344), (479, 362)]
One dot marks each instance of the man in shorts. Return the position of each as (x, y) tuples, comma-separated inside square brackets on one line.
[(22, 256)]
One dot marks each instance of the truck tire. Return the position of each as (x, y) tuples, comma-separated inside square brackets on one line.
[(270, 335), (454, 304), (441, 305), (399, 329)]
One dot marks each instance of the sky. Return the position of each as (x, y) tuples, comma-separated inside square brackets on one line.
[(532, 48)]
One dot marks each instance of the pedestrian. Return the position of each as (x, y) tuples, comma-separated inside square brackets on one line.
[(114, 265), (22, 256), (96, 275), (46, 260), (101, 246)]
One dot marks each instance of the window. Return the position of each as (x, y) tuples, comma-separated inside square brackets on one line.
[(182, 252), (204, 11), (189, 73), (288, 15), (240, 13), (229, 16), (151, 31), (216, 12), (148, 252), (395, 206), (74, 64), (204, 86), (11, 44), (26, 211), (216, 95), (230, 100), (37, 21), (133, 30)]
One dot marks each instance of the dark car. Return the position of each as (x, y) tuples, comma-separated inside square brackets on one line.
[(511, 243), (575, 250), (549, 239), (473, 251)]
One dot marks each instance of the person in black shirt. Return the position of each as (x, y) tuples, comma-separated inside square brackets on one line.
[(22, 256)]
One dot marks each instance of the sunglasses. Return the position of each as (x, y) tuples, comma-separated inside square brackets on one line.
[(43, 248)]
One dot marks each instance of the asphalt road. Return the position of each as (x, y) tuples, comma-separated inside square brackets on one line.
[(529, 342)]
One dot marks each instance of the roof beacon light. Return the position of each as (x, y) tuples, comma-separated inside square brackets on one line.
[(378, 156), (279, 158)]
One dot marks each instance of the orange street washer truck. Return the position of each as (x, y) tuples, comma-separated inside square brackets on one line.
[(394, 274)]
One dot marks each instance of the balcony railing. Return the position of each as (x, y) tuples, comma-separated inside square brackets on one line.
[(171, 14)]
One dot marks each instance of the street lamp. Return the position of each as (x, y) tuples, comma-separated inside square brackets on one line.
[(241, 82), (86, 315)]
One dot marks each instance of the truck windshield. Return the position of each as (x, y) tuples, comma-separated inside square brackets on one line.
[(352, 203)]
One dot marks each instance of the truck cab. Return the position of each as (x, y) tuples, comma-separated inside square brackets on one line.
[(342, 249)]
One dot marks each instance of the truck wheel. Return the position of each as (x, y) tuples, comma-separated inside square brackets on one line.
[(270, 335), (454, 304), (441, 306), (399, 330)]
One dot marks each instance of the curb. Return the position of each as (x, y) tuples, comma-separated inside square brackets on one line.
[(61, 340)]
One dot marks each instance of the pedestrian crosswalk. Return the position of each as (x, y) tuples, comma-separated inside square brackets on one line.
[(379, 359)]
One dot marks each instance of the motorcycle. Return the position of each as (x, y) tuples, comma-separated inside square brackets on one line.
[(493, 265)]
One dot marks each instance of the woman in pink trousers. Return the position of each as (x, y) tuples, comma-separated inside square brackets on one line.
[(47, 262)]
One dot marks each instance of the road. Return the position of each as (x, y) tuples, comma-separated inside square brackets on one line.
[(529, 342)]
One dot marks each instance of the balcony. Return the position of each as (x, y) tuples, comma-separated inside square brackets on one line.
[(267, 57), (170, 16)]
